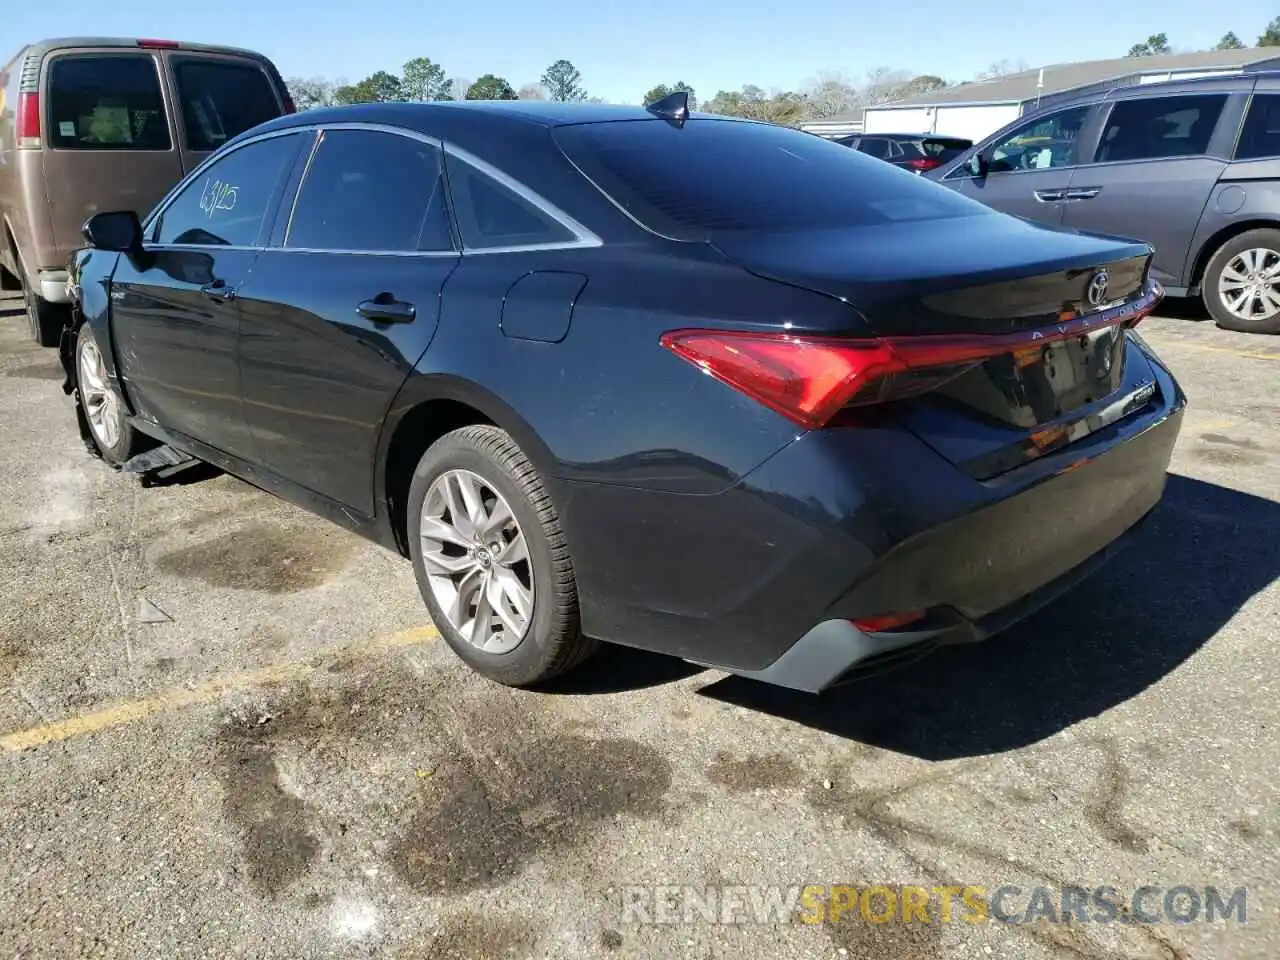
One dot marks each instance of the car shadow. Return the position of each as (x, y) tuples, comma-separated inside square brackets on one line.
[(1183, 308), (617, 669), (1126, 627)]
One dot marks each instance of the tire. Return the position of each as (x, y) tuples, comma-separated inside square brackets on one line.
[(552, 642), (108, 428), (46, 320), (1264, 239)]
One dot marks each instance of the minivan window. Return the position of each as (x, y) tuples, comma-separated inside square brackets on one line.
[(221, 99), (227, 203), (1261, 134), (733, 175), (372, 192), (1042, 144), (1152, 128), (110, 102)]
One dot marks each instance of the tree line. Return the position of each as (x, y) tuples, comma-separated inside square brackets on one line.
[(826, 95)]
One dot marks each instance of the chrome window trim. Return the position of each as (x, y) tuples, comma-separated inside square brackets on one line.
[(585, 238)]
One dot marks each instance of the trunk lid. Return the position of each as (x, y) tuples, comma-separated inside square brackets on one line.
[(1058, 299)]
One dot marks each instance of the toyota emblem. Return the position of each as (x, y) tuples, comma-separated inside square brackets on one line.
[(1096, 292)]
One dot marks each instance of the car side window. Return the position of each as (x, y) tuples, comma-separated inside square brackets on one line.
[(106, 103), (1261, 134), (1154, 128), (491, 215), (875, 147), (372, 192), (227, 204), (1041, 144)]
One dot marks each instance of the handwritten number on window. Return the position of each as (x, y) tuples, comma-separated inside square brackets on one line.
[(217, 195)]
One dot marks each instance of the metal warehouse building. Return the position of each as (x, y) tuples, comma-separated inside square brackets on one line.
[(974, 110)]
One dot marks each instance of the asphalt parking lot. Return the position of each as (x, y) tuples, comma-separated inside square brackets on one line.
[(227, 729)]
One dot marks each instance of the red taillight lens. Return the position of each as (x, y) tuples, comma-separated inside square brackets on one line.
[(153, 44), (28, 120), (810, 379), (924, 163), (890, 621)]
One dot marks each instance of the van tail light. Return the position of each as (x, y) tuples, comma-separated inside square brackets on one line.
[(924, 164), (28, 120), (810, 379), (152, 44), (289, 105)]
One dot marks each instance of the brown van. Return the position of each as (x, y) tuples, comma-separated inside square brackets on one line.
[(88, 125)]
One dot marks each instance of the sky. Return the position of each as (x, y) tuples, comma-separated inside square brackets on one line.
[(624, 49)]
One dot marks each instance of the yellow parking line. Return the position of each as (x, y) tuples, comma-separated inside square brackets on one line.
[(1247, 354), (130, 711)]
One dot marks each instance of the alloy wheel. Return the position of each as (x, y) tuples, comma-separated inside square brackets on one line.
[(101, 405), (477, 561), (1249, 284)]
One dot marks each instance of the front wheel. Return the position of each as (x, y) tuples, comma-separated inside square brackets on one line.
[(101, 404), (1241, 286), (491, 560)]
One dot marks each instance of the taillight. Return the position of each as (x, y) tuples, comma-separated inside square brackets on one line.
[(810, 379), (28, 126), (152, 44), (889, 621), (922, 164)]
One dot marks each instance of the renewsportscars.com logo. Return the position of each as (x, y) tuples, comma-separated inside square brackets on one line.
[(973, 904)]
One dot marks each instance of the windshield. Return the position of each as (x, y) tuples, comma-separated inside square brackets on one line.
[(724, 175)]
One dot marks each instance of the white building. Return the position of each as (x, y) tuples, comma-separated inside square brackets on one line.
[(974, 110)]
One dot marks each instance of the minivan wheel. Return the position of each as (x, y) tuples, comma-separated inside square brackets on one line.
[(46, 319), (491, 560), (102, 405), (1241, 285)]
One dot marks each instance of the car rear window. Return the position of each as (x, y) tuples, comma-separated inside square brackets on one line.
[(99, 102), (944, 149), (726, 175), (222, 99)]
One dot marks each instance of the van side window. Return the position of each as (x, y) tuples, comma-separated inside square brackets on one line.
[(1261, 134), (227, 204), (221, 99), (109, 102), (1042, 144), (1154, 128)]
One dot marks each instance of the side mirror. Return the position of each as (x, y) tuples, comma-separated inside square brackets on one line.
[(118, 231), (980, 164)]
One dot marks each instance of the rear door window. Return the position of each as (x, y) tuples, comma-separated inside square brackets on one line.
[(1261, 134), (732, 175), (221, 99), (1155, 128), (106, 102), (231, 200), (372, 192)]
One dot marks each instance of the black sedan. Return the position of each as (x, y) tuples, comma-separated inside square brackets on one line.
[(708, 387)]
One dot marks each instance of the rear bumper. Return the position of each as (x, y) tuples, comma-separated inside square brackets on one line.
[(53, 286), (764, 579)]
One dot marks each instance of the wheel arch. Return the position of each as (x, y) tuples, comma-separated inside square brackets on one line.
[(1214, 243), (428, 407)]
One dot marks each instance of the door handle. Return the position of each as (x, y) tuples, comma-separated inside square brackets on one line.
[(384, 308), (1050, 196), (1083, 193), (218, 291)]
